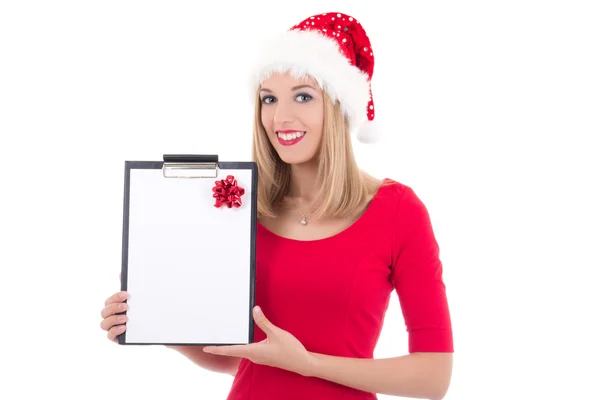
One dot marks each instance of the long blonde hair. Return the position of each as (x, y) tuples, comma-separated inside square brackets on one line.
[(343, 188)]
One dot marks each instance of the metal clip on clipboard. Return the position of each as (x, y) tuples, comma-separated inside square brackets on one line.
[(190, 165)]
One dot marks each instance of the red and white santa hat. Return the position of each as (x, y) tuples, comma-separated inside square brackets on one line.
[(335, 50)]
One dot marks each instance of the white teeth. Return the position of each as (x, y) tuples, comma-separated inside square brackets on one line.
[(290, 136)]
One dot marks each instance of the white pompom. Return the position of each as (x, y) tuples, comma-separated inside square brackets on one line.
[(369, 132)]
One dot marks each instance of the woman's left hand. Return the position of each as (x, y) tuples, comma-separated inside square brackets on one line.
[(280, 349)]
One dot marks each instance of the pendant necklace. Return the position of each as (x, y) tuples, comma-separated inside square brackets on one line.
[(304, 217)]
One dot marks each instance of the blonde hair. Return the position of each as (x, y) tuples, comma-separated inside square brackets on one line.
[(343, 188)]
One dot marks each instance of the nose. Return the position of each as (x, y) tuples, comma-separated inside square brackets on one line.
[(284, 112)]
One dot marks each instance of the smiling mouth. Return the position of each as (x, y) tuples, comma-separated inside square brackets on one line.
[(288, 138)]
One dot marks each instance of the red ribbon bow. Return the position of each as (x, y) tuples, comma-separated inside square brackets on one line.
[(227, 192)]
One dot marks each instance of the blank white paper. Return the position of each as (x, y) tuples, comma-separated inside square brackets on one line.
[(189, 262)]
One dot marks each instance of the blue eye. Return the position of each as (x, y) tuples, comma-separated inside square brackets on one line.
[(265, 99), (307, 97)]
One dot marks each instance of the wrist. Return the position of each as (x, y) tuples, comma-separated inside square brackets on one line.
[(311, 365)]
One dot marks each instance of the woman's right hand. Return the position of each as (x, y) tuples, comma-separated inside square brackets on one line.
[(113, 323)]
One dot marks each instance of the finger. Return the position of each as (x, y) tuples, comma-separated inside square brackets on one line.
[(117, 298), (263, 323), (115, 331), (232, 351), (113, 320), (114, 308)]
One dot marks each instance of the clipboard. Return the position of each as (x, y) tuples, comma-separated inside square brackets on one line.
[(188, 257)]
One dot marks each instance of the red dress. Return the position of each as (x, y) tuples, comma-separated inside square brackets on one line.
[(332, 294)]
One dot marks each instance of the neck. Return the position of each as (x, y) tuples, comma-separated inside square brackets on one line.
[(304, 182)]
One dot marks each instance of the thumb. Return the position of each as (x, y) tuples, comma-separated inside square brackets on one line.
[(262, 321)]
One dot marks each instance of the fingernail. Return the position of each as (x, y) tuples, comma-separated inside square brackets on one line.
[(258, 310), (123, 295)]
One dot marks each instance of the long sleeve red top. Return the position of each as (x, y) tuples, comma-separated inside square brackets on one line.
[(332, 294)]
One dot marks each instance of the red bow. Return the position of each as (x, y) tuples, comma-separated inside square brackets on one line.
[(227, 192)]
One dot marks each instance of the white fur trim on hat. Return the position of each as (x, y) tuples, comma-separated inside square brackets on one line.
[(302, 53)]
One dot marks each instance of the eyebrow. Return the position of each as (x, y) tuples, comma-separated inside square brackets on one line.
[(294, 88)]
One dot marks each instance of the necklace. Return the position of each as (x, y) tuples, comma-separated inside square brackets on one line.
[(304, 217)]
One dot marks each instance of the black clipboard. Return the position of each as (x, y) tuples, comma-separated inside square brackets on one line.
[(188, 259)]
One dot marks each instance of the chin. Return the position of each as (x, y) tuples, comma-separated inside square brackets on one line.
[(295, 159)]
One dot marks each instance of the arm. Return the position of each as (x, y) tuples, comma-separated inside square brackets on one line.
[(416, 274), (417, 375), (211, 362)]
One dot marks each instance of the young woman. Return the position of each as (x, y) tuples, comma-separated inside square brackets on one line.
[(332, 241)]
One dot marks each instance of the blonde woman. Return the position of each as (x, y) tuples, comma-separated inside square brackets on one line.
[(333, 243)]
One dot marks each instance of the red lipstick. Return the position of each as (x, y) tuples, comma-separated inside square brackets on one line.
[(290, 142)]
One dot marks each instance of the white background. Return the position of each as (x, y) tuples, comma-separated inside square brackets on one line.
[(491, 111)]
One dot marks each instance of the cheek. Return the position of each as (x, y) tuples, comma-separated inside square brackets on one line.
[(316, 122), (264, 118)]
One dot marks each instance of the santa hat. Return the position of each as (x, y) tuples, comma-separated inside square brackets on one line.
[(335, 50)]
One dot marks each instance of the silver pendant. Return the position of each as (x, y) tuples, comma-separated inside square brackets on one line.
[(303, 222)]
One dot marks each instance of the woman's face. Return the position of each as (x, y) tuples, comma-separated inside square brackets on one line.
[(292, 115)]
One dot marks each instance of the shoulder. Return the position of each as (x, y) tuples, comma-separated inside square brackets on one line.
[(393, 191), (409, 220), (402, 201)]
